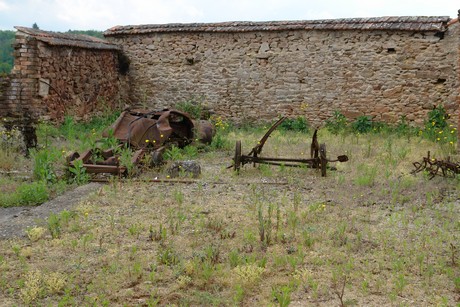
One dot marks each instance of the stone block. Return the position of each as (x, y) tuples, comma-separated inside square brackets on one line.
[(351, 114), (185, 169), (392, 92)]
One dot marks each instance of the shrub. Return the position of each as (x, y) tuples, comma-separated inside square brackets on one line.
[(78, 173), (43, 165), (437, 128), (337, 123), (173, 154), (362, 124), (295, 124), (126, 161), (34, 193), (68, 128), (403, 128), (194, 108), (437, 118)]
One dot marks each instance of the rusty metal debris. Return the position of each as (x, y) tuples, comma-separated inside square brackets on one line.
[(445, 168), (318, 158), (145, 132)]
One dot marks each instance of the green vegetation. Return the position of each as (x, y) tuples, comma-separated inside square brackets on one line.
[(299, 124), (44, 175), (436, 128), (6, 51), (196, 108), (369, 233), (94, 33)]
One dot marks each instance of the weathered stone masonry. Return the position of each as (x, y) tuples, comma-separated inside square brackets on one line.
[(384, 67), (61, 74)]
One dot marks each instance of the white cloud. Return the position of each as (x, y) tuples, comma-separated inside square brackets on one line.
[(4, 6), (62, 15), (84, 14)]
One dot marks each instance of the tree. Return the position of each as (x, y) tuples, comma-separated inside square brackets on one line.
[(6, 51), (35, 26)]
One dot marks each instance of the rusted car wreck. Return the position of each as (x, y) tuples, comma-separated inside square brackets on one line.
[(145, 132)]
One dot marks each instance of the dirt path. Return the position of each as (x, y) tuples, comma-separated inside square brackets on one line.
[(15, 220)]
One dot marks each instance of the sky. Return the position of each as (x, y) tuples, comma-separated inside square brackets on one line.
[(63, 15)]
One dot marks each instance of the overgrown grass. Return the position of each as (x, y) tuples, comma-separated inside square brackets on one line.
[(43, 175), (369, 233)]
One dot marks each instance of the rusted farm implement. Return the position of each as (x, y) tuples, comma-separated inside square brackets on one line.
[(318, 158), (435, 167), (145, 132)]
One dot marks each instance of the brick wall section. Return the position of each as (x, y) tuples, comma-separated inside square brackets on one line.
[(25, 75), (57, 74), (261, 72), (4, 90), (10, 92)]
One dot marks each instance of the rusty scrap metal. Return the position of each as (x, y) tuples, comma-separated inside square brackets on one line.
[(445, 168), (145, 132), (143, 128), (318, 158)]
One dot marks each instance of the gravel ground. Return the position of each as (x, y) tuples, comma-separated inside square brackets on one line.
[(15, 220)]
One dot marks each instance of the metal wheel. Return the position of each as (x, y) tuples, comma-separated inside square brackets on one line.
[(323, 159), (237, 158)]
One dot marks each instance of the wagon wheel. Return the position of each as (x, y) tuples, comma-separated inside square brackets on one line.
[(237, 158), (323, 159)]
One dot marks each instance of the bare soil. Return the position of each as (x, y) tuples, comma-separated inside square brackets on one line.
[(15, 220), (388, 237)]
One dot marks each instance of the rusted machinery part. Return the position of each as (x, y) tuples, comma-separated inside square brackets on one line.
[(323, 159), (237, 157), (72, 156), (314, 147), (109, 166), (186, 181), (204, 131), (341, 158), (258, 148), (445, 168)]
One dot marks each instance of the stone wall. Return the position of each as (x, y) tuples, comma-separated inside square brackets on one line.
[(259, 75), (77, 82), (56, 74)]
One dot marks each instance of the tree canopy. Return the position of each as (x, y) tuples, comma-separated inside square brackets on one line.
[(6, 51)]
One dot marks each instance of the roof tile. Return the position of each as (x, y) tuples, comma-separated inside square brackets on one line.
[(402, 23), (69, 39)]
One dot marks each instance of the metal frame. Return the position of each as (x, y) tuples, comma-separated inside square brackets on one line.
[(433, 166), (318, 158)]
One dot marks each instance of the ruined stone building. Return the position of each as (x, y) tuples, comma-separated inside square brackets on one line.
[(385, 67)]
